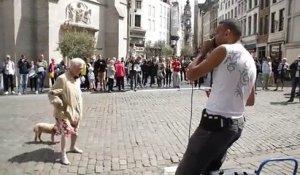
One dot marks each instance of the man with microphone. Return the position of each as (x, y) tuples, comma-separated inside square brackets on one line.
[(222, 121)]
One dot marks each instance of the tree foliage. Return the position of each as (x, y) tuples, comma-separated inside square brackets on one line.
[(159, 48), (77, 44), (187, 51)]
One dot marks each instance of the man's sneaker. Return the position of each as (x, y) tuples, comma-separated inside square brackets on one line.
[(36, 92), (290, 100), (19, 93), (6, 93)]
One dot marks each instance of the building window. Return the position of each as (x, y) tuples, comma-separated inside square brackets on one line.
[(138, 4), (242, 27), (153, 25), (267, 3), (281, 19), (250, 4), (161, 22), (232, 13), (255, 24), (149, 10), (153, 12), (273, 22), (137, 20), (266, 24), (274, 1), (262, 3), (255, 3), (261, 23), (249, 25), (161, 9), (245, 27), (235, 12), (232, 1), (149, 25), (242, 8)]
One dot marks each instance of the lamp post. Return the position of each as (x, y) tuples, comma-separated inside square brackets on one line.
[(128, 28), (202, 13)]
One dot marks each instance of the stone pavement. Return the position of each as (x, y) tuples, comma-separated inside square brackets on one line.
[(141, 133)]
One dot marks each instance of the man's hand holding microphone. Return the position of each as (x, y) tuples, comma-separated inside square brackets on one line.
[(207, 47)]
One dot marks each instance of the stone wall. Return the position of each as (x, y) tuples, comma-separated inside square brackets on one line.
[(7, 44), (111, 30)]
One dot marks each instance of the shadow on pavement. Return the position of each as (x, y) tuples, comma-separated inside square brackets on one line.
[(283, 103), (40, 155), (41, 143)]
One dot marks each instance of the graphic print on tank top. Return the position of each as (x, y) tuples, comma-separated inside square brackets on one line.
[(231, 61)]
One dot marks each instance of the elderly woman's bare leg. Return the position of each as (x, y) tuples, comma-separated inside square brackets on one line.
[(64, 158), (73, 148)]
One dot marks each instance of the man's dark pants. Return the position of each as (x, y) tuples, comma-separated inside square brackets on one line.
[(206, 150), (295, 83)]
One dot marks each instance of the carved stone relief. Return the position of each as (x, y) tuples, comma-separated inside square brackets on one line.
[(78, 12)]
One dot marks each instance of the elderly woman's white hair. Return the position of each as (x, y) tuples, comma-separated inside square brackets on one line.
[(77, 62)]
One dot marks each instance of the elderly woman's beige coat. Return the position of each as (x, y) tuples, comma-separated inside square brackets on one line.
[(65, 96)]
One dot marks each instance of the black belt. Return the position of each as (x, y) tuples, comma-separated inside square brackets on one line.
[(217, 122)]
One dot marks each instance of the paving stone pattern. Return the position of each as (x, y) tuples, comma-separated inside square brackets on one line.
[(140, 133)]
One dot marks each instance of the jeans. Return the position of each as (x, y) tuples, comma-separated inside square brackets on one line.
[(120, 83), (110, 84), (41, 79), (206, 150), (23, 83), (1, 81), (8, 81), (33, 83), (168, 78), (266, 80), (182, 74), (133, 79), (176, 79), (295, 83)]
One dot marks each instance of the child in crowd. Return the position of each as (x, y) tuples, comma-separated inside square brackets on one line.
[(91, 77)]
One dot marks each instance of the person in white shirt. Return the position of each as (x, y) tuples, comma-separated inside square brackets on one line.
[(234, 74), (266, 73), (8, 75)]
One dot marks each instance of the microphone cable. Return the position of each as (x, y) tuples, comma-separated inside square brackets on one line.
[(191, 115)]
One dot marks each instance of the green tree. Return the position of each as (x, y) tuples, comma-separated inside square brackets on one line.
[(148, 47), (158, 48), (77, 44), (167, 51), (187, 51)]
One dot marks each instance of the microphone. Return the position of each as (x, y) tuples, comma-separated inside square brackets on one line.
[(206, 48)]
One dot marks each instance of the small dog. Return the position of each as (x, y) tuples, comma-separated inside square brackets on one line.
[(48, 128)]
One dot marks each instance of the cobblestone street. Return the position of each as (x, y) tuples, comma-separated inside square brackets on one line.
[(141, 133)]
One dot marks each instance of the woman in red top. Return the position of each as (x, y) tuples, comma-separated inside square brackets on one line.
[(120, 74), (176, 72)]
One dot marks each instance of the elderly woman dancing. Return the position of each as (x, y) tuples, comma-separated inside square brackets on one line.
[(65, 96)]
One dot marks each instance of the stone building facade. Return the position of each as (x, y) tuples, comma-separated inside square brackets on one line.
[(35, 27), (292, 46)]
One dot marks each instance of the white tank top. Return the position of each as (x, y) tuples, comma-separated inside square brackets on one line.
[(233, 80)]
